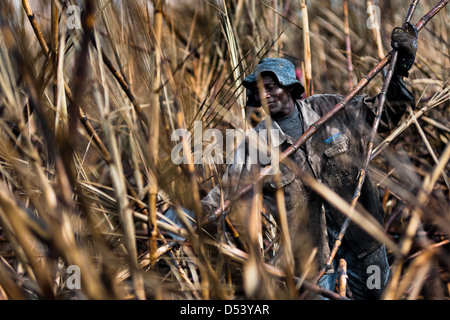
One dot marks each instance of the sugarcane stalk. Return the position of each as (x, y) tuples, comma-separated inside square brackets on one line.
[(428, 145), (348, 46), (119, 77), (54, 49), (418, 114), (77, 111), (414, 222), (154, 131), (236, 237), (376, 33), (89, 280), (342, 277), (319, 123), (363, 171), (240, 256), (206, 268), (281, 205), (82, 116), (124, 84), (306, 49), (35, 26), (140, 205)]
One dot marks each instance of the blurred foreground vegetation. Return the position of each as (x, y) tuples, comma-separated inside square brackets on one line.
[(85, 150)]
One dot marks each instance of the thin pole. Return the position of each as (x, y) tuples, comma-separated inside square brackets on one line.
[(363, 171)]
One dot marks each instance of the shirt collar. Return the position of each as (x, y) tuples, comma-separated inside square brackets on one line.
[(308, 118), (308, 115)]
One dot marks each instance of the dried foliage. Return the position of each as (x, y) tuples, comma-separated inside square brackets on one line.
[(85, 150)]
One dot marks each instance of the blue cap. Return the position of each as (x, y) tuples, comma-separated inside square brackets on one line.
[(284, 72)]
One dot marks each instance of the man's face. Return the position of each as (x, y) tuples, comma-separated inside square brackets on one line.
[(279, 99)]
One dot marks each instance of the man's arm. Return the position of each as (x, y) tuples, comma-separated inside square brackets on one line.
[(361, 110), (213, 200), (236, 175), (398, 97)]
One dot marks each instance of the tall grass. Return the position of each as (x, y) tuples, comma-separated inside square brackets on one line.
[(92, 195)]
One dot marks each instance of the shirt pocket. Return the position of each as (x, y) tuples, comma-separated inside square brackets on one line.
[(341, 164), (339, 147), (286, 177)]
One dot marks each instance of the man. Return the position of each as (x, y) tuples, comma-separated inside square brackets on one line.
[(333, 155)]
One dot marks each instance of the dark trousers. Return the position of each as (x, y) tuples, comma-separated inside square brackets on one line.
[(367, 276)]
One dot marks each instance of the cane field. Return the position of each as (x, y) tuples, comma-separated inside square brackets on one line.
[(92, 91)]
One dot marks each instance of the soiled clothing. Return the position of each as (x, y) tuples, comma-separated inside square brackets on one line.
[(291, 124), (334, 156)]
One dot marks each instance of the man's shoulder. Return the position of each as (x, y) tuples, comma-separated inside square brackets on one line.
[(260, 126), (322, 103), (319, 102)]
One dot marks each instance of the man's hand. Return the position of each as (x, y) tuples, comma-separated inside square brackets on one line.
[(405, 41)]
